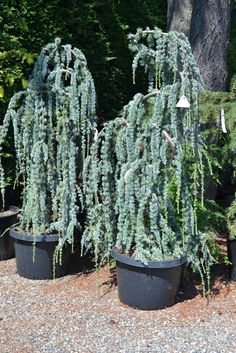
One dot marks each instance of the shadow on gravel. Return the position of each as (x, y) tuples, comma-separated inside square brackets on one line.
[(219, 278), (84, 266), (111, 283), (81, 265), (190, 285)]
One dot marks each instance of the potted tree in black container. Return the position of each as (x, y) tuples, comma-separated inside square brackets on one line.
[(231, 215), (53, 122), (145, 176), (8, 214), (7, 219)]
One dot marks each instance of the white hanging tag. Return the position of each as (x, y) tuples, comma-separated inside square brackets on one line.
[(222, 121), (183, 103), (95, 135)]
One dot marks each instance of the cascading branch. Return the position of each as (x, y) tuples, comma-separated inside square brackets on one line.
[(145, 172), (54, 122)]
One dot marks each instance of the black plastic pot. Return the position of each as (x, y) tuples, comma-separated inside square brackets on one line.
[(6, 242), (147, 287), (42, 266), (232, 257)]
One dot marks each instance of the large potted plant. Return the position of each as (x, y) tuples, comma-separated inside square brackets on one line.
[(53, 123), (145, 176), (231, 217), (8, 217), (8, 213)]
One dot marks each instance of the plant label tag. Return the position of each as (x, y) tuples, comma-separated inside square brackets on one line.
[(95, 135), (222, 121), (183, 102)]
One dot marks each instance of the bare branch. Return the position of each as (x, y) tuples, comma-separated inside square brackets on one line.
[(149, 31), (169, 139), (151, 94)]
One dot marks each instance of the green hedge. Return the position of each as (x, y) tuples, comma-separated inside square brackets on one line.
[(98, 28)]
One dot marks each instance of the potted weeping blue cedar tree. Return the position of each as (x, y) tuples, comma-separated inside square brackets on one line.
[(8, 214), (53, 122), (231, 218), (145, 175), (8, 217)]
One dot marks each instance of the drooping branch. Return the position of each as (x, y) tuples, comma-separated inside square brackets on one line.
[(164, 132)]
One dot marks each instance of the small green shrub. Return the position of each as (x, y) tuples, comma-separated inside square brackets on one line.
[(221, 146)]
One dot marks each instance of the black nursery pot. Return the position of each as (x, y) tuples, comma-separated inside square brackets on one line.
[(231, 244), (42, 267), (147, 287), (6, 242)]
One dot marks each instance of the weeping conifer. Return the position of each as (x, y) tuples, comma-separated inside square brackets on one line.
[(145, 173), (53, 122)]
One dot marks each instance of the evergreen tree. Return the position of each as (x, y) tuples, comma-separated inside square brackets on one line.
[(145, 173), (53, 122)]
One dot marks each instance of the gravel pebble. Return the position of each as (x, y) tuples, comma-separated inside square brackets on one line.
[(71, 314)]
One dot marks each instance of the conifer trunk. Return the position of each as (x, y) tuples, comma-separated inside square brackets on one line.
[(207, 24)]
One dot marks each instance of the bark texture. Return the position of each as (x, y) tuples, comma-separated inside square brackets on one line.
[(207, 24)]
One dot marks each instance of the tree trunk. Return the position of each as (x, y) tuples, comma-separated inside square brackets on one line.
[(207, 24)]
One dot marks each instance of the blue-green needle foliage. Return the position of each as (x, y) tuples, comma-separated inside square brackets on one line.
[(231, 218), (53, 121), (145, 174)]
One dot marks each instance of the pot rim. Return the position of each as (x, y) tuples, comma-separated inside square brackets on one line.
[(44, 238), (150, 264), (15, 210), (231, 240)]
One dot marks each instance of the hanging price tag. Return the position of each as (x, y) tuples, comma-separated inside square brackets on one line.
[(183, 103), (222, 120)]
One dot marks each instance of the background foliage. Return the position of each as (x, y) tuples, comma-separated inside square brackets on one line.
[(98, 28)]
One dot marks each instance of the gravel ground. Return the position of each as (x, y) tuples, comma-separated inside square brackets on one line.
[(71, 315)]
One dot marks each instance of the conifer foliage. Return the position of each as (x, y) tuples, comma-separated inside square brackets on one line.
[(145, 173), (53, 122), (231, 218)]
